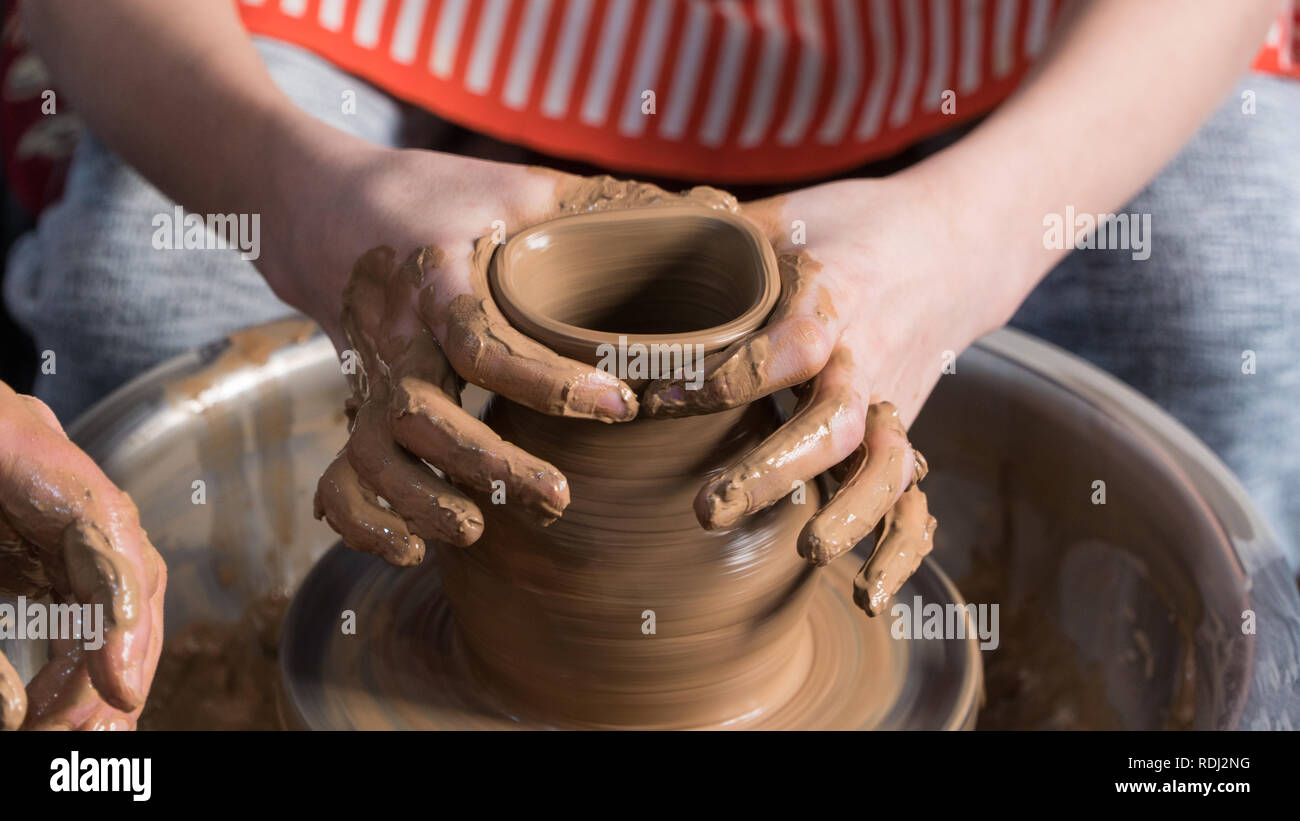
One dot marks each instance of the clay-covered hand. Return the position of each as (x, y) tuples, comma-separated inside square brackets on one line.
[(420, 322), (67, 531), (865, 315)]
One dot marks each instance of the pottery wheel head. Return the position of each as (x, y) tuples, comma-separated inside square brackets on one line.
[(405, 666)]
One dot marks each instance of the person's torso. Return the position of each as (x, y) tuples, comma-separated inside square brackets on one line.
[(723, 90)]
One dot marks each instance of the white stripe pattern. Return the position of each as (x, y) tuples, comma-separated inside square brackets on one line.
[(882, 75), (649, 61), (370, 19), (889, 62), (446, 37), (1004, 33), (523, 66), (848, 32), (609, 56), (483, 59), (686, 78), (769, 75), (910, 78), (726, 80), (940, 54), (972, 45), (332, 13), (811, 66), (560, 85), (406, 34), (1036, 33)]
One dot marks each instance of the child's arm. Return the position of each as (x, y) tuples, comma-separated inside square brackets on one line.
[(1121, 88), (891, 278)]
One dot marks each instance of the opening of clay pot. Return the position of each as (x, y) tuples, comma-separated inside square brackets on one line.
[(675, 275)]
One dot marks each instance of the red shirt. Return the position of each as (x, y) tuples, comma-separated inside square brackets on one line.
[(743, 90)]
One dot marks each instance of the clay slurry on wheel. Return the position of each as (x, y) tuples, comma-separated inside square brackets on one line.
[(408, 669)]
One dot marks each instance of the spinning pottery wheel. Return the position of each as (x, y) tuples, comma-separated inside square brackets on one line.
[(624, 613), (1124, 617), (411, 670)]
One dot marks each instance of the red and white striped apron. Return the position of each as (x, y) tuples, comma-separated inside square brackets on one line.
[(743, 90)]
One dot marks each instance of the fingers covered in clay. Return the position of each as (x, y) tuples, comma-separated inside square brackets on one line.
[(484, 349), (110, 561), (407, 415), (62, 695), (433, 426), (22, 569), (825, 429), (878, 473), (787, 352), (432, 508), (907, 539), (98, 575), (43, 411), (355, 513), (794, 346), (379, 495), (379, 316), (13, 696), (66, 529)]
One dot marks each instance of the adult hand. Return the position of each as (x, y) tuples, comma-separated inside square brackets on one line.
[(68, 531)]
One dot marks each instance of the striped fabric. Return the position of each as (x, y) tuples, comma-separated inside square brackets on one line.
[(743, 90), (1281, 52)]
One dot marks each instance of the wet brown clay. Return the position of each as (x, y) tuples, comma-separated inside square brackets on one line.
[(623, 612)]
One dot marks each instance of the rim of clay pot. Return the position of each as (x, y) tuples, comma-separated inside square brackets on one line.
[(507, 275)]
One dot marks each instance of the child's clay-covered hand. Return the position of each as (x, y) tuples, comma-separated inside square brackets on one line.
[(67, 531), (860, 333), (406, 412), (417, 312)]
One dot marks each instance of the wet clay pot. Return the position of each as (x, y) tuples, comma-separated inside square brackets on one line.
[(625, 611)]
